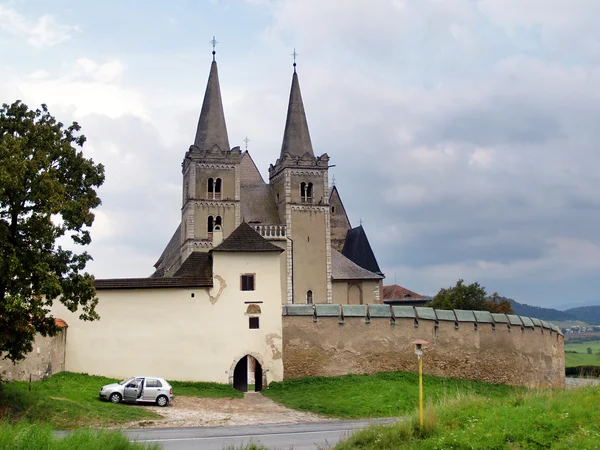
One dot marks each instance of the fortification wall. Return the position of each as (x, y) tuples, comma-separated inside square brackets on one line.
[(47, 357), (333, 340)]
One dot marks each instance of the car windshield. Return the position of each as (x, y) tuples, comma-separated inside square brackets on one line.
[(125, 381)]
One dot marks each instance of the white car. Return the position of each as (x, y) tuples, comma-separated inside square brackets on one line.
[(139, 390)]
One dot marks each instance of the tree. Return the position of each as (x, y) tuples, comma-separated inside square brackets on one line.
[(47, 191), (472, 296), (461, 296), (497, 304), (589, 350)]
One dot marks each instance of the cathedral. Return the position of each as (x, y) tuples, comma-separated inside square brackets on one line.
[(324, 259), (244, 253)]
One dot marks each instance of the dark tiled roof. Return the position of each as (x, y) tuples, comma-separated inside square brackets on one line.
[(197, 265), (196, 271), (397, 292), (344, 269), (358, 250), (245, 239), (148, 283)]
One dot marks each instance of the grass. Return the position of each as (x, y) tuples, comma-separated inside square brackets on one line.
[(388, 394), (25, 436), (582, 358), (523, 420), (69, 400)]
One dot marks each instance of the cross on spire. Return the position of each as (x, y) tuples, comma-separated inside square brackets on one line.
[(246, 141), (294, 55), (214, 43)]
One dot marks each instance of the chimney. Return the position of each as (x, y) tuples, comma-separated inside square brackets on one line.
[(217, 236)]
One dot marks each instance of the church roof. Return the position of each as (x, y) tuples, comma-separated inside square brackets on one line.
[(296, 138), (211, 129), (245, 239), (257, 201), (358, 250), (171, 250), (344, 269)]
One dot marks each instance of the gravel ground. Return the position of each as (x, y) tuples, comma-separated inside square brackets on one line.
[(253, 409), (579, 382)]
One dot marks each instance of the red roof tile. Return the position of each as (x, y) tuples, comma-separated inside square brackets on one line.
[(394, 291)]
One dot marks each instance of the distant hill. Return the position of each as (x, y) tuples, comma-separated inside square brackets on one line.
[(542, 313), (589, 314)]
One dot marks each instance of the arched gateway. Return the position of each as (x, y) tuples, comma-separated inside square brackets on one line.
[(247, 370)]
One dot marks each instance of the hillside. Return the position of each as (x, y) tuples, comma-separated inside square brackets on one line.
[(541, 313), (589, 314)]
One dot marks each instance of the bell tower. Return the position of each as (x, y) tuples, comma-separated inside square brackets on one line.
[(211, 176), (301, 190)]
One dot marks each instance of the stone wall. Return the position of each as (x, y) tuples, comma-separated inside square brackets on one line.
[(47, 357), (339, 339)]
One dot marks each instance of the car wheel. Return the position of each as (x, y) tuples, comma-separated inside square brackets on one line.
[(162, 400), (115, 397)]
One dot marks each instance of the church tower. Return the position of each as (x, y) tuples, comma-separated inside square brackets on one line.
[(211, 178), (300, 186)]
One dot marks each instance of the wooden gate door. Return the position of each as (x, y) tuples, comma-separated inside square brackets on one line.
[(240, 375), (258, 377)]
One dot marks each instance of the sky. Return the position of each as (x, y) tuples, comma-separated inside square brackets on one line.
[(464, 133)]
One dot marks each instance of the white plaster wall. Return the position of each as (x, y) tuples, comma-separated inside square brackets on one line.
[(169, 333)]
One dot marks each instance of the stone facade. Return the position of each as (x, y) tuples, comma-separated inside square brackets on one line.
[(337, 344), (47, 357)]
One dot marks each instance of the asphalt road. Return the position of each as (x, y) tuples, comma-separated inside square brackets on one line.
[(304, 436)]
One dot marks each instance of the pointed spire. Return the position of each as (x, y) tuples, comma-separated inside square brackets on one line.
[(211, 125), (296, 138)]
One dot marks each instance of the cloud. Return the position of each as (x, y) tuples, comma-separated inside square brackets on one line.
[(44, 32)]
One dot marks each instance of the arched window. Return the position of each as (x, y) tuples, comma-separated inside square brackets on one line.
[(211, 188), (306, 193), (217, 194), (215, 187), (309, 298), (214, 224)]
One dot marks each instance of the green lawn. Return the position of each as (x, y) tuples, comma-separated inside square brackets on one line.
[(582, 358), (27, 436), (552, 419), (69, 400), (387, 394)]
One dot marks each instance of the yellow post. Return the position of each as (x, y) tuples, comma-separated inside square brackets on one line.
[(420, 392), (419, 343)]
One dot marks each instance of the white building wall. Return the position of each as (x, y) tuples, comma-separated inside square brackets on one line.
[(170, 333)]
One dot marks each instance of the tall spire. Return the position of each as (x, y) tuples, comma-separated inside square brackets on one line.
[(211, 125), (296, 138)]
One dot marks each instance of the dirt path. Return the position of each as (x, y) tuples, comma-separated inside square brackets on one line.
[(253, 409)]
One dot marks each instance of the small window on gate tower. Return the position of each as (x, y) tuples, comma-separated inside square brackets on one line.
[(253, 323), (247, 282)]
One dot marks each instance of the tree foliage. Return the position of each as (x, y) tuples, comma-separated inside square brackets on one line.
[(47, 191), (470, 296)]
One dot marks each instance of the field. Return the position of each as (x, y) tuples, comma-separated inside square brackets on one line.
[(69, 400), (388, 394), (552, 419), (582, 358)]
